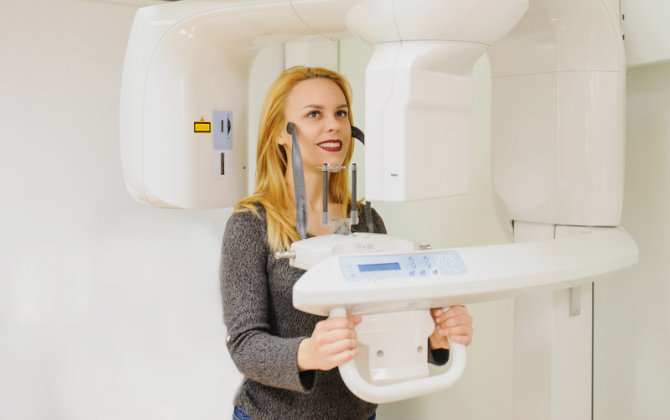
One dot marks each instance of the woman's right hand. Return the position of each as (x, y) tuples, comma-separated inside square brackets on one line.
[(333, 342)]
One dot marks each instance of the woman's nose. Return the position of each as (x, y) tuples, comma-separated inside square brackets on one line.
[(334, 124)]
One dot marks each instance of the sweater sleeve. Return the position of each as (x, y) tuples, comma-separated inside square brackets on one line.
[(375, 224), (378, 222), (257, 353), (438, 357)]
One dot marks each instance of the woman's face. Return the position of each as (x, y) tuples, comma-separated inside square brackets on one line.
[(319, 111)]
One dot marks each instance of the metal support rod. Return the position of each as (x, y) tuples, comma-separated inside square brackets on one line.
[(301, 220), (324, 214), (354, 206), (575, 301)]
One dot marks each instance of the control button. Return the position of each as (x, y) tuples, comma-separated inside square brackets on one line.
[(435, 272), (423, 272)]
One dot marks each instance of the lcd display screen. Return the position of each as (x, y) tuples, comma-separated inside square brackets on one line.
[(378, 267)]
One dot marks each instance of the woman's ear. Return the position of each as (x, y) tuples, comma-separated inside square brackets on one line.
[(284, 139)]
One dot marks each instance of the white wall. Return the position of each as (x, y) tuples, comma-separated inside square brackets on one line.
[(632, 309), (109, 309), (646, 28)]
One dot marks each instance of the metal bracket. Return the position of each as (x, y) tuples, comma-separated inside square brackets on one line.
[(575, 301)]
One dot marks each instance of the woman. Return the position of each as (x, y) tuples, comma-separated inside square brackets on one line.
[(287, 356)]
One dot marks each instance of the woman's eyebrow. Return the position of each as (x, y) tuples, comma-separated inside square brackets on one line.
[(322, 107)]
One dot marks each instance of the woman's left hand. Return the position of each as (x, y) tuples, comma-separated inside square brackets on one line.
[(456, 323)]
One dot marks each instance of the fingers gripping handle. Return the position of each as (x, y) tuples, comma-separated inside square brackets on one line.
[(379, 394)]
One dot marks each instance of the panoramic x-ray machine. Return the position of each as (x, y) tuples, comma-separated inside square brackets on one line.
[(558, 153)]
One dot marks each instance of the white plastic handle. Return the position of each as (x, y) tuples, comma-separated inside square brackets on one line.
[(380, 394)]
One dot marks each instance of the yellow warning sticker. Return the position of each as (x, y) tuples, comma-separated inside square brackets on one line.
[(202, 126)]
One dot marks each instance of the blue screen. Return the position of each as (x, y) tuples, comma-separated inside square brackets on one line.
[(378, 267)]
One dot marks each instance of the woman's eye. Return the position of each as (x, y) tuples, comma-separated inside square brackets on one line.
[(341, 113), (313, 114)]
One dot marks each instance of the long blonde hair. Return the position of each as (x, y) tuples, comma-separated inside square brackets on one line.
[(271, 159)]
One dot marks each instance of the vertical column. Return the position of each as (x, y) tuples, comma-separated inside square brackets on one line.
[(269, 62), (552, 345), (572, 359)]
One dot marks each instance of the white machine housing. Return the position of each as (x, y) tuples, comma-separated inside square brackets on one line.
[(558, 142), (557, 109), (380, 281), (188, 63), (557, 148), (418, 90)]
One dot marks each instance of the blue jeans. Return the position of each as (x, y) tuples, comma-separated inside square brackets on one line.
[(240, 414)]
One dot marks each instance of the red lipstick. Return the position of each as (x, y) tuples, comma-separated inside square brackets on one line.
[(332, 145)]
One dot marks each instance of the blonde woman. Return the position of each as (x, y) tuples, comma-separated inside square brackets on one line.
[(288, 357)]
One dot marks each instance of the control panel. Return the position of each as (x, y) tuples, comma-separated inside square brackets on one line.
[(382, 267)]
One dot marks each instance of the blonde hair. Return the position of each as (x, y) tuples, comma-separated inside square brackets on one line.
[(271, 159)]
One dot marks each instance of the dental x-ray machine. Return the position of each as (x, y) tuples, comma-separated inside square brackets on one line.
[(558, 153)]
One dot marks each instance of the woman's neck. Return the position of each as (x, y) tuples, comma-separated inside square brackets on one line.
[(314, 196), (313, 187)]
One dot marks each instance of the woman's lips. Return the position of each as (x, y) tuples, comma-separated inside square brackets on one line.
[(331, 145)]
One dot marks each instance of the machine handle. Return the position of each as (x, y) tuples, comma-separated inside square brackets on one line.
[(380, 394)]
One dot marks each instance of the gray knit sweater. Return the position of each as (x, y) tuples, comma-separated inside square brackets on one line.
[(264, 330)]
